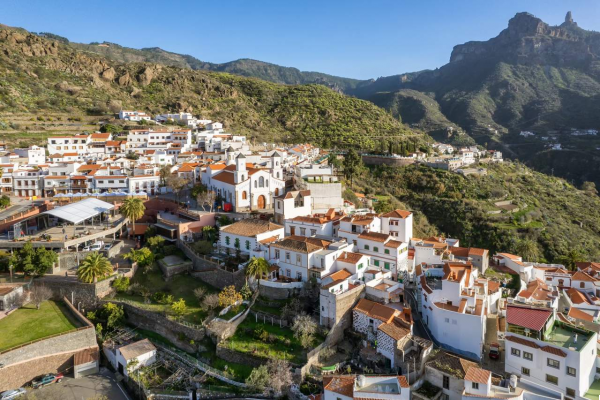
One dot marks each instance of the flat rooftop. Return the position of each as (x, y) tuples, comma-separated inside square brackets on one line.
[(565, 337)]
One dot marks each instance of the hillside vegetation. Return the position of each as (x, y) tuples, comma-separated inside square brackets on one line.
[(561, 220), (38, 75)]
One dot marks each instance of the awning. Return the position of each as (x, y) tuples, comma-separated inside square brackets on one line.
[(80, 211)]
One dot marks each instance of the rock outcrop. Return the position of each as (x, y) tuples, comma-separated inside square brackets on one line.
[(529, 40)]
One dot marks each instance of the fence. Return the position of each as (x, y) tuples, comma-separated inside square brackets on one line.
[(194, 363)]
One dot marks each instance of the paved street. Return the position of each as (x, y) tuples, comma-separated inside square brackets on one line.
[(88, 387)]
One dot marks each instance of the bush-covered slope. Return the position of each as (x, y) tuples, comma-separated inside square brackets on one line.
[(39, 75), (560, 219)]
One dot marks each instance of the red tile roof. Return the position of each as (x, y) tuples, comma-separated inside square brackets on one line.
[(582, 276), (375, 310), (398, 214), (578, 314), (532, 318), (478, 375)]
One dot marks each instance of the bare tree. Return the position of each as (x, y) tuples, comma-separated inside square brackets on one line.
[(39, 294), (304, 328), (200, 292), (210, 301), (280, 375), (207, 197), (177, 183)]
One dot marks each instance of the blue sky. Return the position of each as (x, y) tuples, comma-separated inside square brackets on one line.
[(359, 39)]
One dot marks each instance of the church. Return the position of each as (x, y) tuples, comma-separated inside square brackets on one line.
[(244, 186)]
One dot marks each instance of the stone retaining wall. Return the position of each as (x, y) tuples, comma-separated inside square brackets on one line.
[(200, 263), (220, 278), (178, 334), (240, 358)]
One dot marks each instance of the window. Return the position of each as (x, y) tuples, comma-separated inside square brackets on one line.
[(446, 382), (261, 182), (582, 285), (570, 392), (287, 256), (298, 259), (277, 254), (386, 265), (447, 320), (571, 371), (475, 385), (376, 263), (227, 240), (525, 371), (245, 196), (552, 379), (366, 247), (515, 352), (387, 251), (313, 232), (375, 249), (553, 363), (360, 266), (303, 231), (528, 356), (247, 245)]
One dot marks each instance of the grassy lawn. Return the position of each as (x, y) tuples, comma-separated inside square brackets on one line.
[(245, 342), (594, 391), (181, 286), (27, 323)]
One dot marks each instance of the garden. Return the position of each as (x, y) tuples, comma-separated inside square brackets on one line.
[(271, 341), (148, 290)]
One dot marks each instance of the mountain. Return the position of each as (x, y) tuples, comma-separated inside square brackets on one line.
[(42, 75), (532, 76), (244, 67)]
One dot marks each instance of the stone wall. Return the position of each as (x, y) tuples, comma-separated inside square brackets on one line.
[(178, 334), (382, 160), (220, 278), (72, 289), (18, 375), (240, 358), (199, 262), (277, 293)]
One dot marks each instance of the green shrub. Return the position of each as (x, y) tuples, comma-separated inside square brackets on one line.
[(121, 284)]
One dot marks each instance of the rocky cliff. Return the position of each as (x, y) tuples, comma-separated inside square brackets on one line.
[(529, 40)]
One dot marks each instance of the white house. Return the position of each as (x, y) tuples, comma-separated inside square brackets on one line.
[(68, 144), (140, 354), (35, 155), (547, 353), (300, 258), (348, 387), (292, 204), (462, 301), (10, 296), (134, 115), (248, 234), (478, 385), (398, 224), (322, 225)]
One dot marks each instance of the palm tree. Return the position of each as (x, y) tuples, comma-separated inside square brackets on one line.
[(133, 209), (94, 266), (257, 268), (528, 249)]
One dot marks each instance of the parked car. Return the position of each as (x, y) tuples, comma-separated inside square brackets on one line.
[(12, 394), (46, 380), (108, 246), (494, 351), (96, 246)]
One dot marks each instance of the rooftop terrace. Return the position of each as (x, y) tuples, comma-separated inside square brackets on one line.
[(564, 335)]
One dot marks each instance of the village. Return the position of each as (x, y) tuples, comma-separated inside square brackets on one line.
[(175, 259)]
